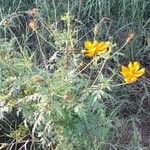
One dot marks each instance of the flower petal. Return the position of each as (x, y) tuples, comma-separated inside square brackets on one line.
[(90, 53), (140, 72), (99, 45), (88, 44), (106, 45), (133, 79), (124, 71), (123, 68), (130, 79), (126, 80), (131, 66), (136, 65)]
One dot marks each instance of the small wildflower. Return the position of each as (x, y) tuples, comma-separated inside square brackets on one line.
[(37, 78), (130, 37), (132, 72), (32, 25), (91, 49), (6, 23)]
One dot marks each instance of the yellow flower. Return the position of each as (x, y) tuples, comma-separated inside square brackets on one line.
[(102, 46), (91, 49), (132, 72)]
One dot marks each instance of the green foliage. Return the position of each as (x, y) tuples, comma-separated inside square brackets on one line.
[(62, 99)]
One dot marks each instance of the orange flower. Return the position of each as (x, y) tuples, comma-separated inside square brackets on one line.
[(132, 72)]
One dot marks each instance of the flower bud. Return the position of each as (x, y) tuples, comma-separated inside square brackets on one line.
[(130, 37), (32, 25)]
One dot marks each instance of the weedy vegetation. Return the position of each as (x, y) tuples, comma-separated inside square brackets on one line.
[(74, 74)]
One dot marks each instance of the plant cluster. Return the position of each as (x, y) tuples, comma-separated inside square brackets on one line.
[(68, 83)]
